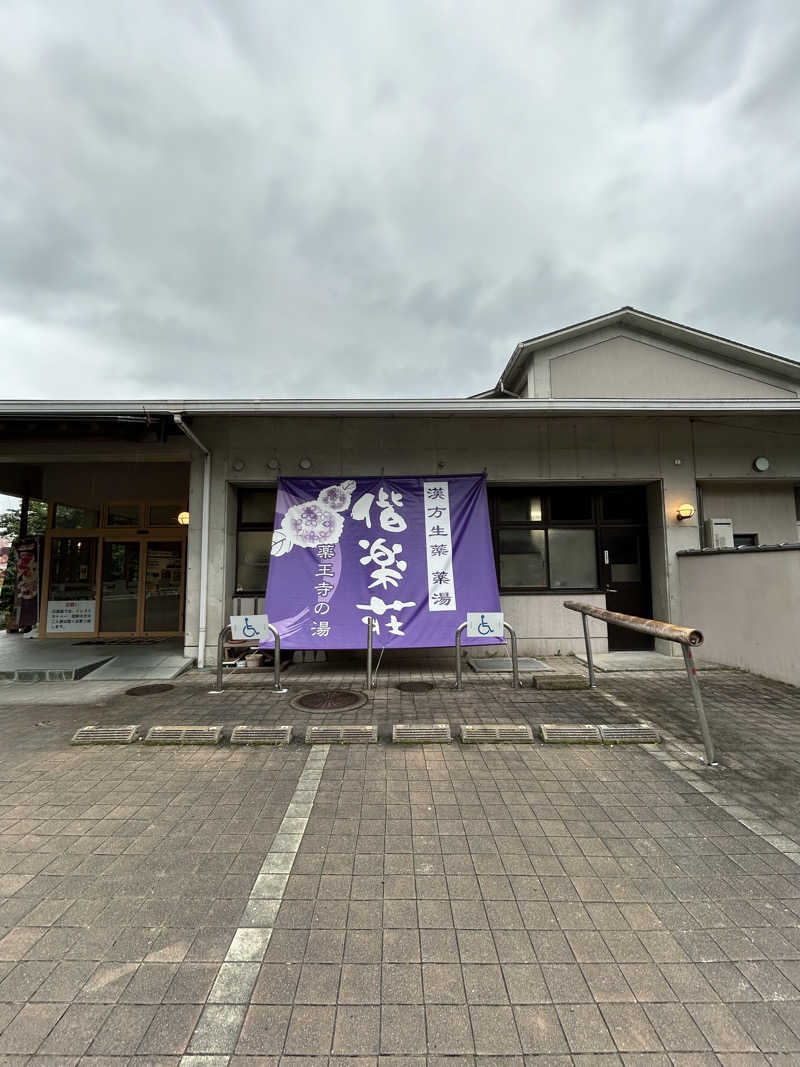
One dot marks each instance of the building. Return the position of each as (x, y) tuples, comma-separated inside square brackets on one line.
[(609, 446)]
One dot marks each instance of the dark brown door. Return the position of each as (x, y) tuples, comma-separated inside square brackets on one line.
[(625, 578)]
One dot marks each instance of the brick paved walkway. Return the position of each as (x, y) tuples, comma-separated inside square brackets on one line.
[(565, 905)]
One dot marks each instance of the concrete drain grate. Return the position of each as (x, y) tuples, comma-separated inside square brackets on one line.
[(570, 735), (184, 735), (421, 734), (148, 690), (106, 735), (347, 735), (624, 734), (329, 700), (415, 687), (485, 732), (261, 735)]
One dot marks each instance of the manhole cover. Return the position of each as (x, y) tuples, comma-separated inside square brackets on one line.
[(415, 687), (329, 700), (147, 690)]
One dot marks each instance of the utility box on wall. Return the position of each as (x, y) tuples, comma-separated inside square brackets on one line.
[(718, 533)]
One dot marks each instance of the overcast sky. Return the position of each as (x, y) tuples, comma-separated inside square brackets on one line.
[(251, 199)]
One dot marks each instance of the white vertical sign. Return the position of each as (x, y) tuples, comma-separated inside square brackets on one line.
[(439, 546)]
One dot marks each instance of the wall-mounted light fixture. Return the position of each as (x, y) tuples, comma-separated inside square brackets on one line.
[(305, 464), (685, 511), (183, 518), (761, 464)]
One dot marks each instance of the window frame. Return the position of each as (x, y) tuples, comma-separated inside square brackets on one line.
[(594, 522), (250, 527)]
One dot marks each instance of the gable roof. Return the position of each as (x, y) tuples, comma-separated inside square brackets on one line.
[(643, 322)]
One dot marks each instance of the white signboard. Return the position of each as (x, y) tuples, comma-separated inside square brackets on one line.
[(70, 616), (249, 627), (439, 547), (484, 624)]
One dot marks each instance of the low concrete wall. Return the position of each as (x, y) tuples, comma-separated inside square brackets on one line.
[(747, 603), (544, 627)]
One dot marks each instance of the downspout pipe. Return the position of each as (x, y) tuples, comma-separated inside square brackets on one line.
[(204, 537)]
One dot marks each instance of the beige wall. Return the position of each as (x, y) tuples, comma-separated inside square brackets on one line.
[(628, 368), (511, 451), (765, 510), (658, 452), (725, 448), (623, 363), (544, 627), (747, 605), (666, 454)]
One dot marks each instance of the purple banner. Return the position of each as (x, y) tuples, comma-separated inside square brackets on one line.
[(414, 553)]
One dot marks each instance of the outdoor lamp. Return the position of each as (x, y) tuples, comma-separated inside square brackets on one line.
[(685, 511), (183, 518)]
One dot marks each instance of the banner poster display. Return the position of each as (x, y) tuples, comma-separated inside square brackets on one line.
[(414, 553), (27, 592)]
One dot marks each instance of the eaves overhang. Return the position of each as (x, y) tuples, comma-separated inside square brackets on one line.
[(470, 408)]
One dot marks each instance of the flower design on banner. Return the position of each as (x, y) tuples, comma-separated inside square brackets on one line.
[(337, 497), (314, 522)]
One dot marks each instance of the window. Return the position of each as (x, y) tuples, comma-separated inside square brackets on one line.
[(626, 504), (68, 517), (547, 538), (573, 559), (165, 514), (519, 506), (123, 515), (73, 569), (745, 540), (523, 563), (571, 505), (253, 540)]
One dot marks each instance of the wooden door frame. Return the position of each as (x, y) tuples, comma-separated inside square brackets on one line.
[(114, 534), (182, 607)]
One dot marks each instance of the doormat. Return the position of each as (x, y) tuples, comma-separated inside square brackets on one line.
[(503, 663)]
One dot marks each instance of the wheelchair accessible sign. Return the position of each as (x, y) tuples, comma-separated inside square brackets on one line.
[(484, 624), (249, 627)]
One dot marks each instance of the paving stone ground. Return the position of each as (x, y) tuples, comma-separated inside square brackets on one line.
[(447, 906)]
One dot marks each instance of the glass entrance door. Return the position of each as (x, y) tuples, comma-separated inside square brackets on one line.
[(163, 597), (141, 587), (119, 606)]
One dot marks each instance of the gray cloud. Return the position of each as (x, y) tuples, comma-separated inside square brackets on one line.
[(249, 199)]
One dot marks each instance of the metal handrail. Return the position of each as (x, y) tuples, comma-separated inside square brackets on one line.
[(276, 670), (516, 683), (371, 680), (684, 636)]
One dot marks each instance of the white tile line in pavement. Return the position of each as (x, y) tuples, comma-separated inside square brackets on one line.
[(743, 815), (217, 1030)]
